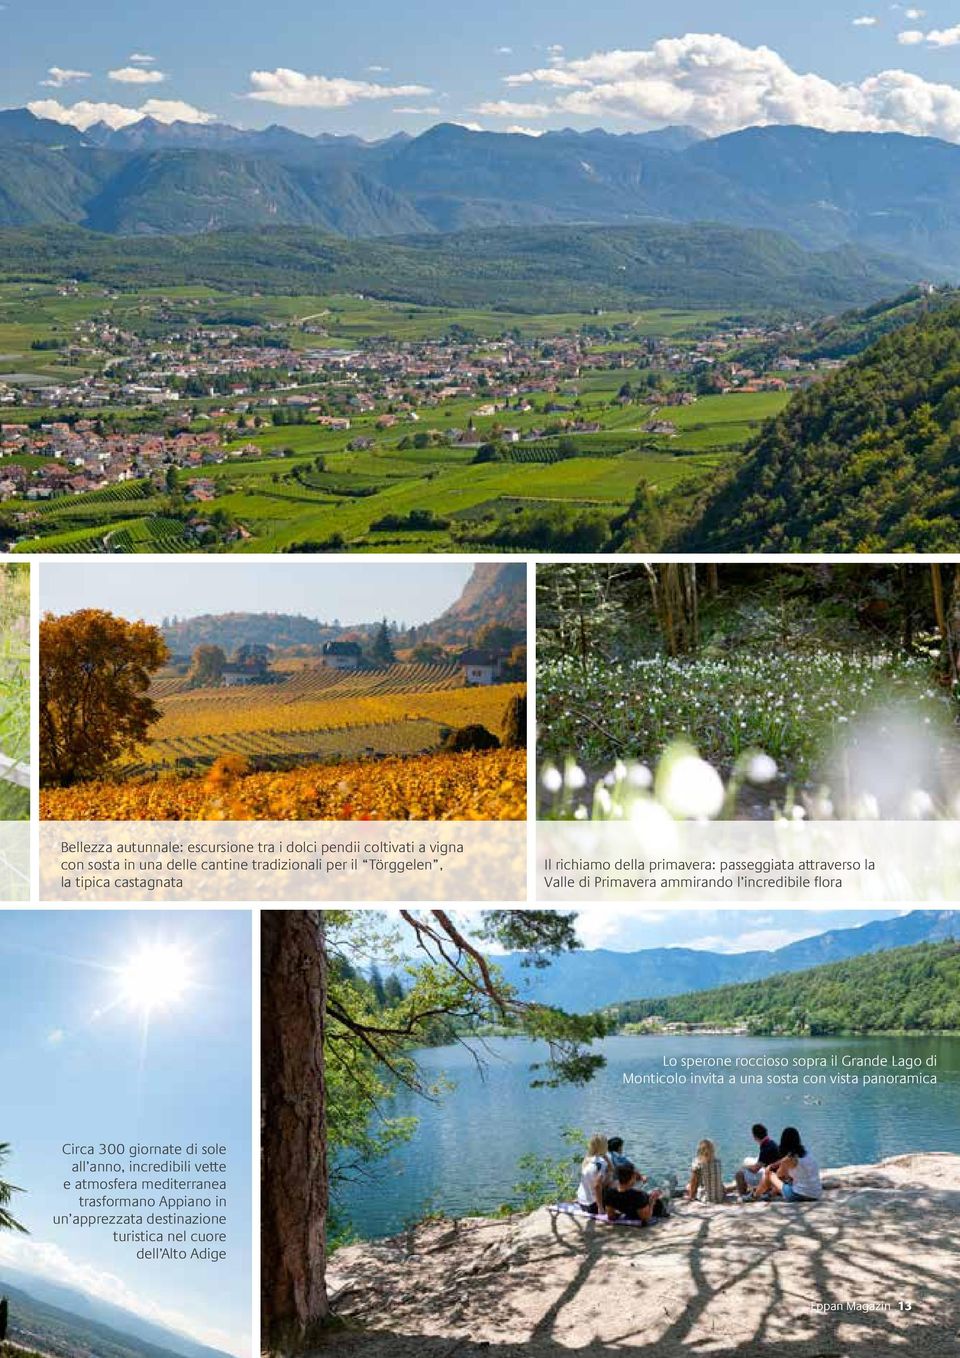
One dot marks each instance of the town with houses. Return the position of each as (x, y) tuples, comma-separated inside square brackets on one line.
[(203, 395)]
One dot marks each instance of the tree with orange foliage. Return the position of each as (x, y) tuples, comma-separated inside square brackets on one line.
[(95, 671)]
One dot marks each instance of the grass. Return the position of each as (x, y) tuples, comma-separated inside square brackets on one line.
[(279, 511)]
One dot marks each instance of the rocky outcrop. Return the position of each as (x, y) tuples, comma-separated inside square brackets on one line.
[(871, 1271)]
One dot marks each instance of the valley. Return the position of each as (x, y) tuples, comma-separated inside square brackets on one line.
[(194, 419), (457, 368)]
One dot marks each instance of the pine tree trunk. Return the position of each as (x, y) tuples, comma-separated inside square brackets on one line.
[(293, 1292)]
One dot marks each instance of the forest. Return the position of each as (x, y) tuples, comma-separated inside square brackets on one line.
[(866, 460), (750, 692), (907, 990), (547, 268)]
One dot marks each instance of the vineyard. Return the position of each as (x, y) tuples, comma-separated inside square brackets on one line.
[(285, 722), (315, 742), (478, 785)]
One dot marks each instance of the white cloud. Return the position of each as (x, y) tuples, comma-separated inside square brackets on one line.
[(620, 926), (431, 109), (50, 1261), (937, 37), (506, 108), (141, 58), (85, 113), (378, 70), (524, 131), (914, 13), (866, 21), (751, 940), (60, 77), (470, 127), (719, 85), (504, 51), (55, 1037), (136, 75), (293, 89)]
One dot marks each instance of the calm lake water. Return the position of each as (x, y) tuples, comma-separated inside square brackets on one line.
[(463, 1157)]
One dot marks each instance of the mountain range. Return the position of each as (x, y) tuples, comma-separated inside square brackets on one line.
[(63, 1322), (881, 191), (595, 978)]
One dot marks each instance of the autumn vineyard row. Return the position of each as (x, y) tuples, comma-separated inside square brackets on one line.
[(193, 725), (487, 785)]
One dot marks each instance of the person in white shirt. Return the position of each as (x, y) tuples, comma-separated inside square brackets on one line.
[(796, 1176), (596, 1174)]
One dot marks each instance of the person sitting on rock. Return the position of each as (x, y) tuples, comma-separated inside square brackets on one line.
[(706, 1175), (596, 1174), (796, 1177), (626, 1198), (768, 1155), (615, 1152)]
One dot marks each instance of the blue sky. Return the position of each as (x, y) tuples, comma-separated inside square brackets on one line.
[(623, 929), (75, 1066), (372, 66), (411, 592), (627, 928)]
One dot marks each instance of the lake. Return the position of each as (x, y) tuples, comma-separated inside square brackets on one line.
[(463, 1156)]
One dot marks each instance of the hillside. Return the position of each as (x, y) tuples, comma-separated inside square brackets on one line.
[(884, 191), (595, 978), (85, 1307), (851, 332), (59, 1333), (865, 461), (914, 989), (493, 593), (231, 630), (549, 268)]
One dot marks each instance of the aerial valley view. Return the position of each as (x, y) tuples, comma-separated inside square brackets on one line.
[(224, 340)]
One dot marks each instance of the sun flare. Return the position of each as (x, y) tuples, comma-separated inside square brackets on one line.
[(156, 977)]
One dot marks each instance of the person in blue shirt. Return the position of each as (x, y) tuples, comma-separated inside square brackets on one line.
[(615, 1152)]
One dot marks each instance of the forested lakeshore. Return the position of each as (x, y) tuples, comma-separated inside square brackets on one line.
[(822, 691), (350, 999), (914, 990)]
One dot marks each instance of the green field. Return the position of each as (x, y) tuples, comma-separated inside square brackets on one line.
[(278, 509), (282, 498), (40, 311)]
